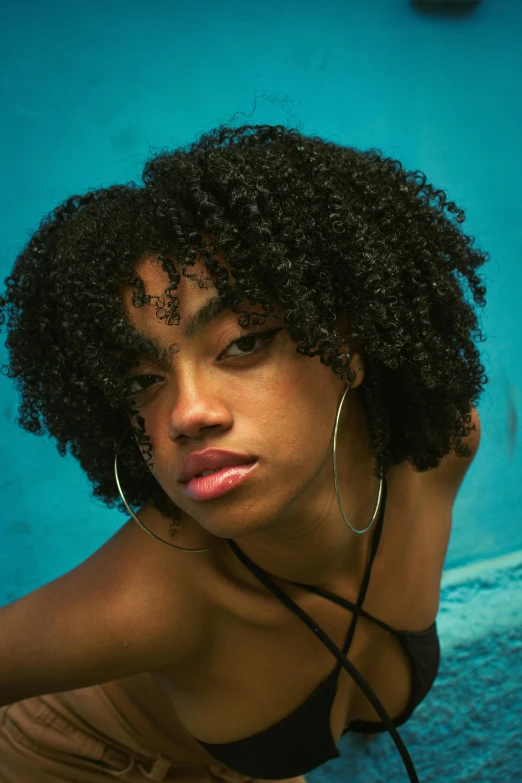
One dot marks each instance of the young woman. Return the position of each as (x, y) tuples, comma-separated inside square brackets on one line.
[(265, 355)]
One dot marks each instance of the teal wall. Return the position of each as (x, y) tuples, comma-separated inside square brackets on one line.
[(86, 90)]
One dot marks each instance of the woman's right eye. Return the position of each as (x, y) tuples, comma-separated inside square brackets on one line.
[(142, 382)]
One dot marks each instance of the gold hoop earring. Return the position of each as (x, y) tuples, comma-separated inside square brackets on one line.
[(133, 515), (336, 482)]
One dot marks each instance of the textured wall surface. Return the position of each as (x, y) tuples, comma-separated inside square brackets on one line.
[(468, 729)]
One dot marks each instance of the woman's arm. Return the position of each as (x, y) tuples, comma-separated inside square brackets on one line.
[(94, 624)]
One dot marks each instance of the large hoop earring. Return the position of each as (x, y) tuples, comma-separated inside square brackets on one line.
[(336, 482), (133, 515)]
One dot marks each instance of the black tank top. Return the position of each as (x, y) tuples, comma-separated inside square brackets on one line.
[(302, 741)]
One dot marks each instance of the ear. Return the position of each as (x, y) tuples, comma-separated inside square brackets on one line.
[(357, 364)]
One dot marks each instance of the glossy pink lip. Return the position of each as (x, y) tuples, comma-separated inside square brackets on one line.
[(216, 484), (211, 459)]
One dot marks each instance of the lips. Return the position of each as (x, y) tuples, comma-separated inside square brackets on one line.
[(211, 459)]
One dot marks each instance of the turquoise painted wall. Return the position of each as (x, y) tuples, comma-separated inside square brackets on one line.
[(86, 90)]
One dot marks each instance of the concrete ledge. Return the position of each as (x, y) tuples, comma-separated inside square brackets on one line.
[(480, 598), (467, 729)]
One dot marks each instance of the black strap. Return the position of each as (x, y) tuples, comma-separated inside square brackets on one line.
[(350, 668), (357, 607), (344, 602), (341, 657)]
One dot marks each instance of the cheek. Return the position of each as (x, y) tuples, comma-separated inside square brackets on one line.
[(153, 412), (299, 425)]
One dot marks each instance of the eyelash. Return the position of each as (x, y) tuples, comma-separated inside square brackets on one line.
[(265, 336)]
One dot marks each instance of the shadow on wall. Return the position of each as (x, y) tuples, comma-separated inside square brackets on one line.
[(445, 7)]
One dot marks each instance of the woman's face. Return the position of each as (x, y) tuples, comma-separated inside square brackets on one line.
[(257, 397)]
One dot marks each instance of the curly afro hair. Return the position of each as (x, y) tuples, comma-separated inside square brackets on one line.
[(324, 229)]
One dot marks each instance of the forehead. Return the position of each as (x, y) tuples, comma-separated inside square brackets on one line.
[(192, 295)]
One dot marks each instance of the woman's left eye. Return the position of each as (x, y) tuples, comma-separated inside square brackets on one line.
[(249, 339)]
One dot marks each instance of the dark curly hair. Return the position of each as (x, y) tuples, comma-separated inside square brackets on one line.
[(324, 229)]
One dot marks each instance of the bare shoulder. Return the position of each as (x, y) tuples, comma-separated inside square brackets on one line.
[(156, 589), (435, 492), (123, 611), (452, 469)]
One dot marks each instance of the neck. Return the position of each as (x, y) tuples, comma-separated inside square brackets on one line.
[(325, 564), (311, 542)]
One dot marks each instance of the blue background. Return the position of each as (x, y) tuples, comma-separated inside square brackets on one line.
[(89, 90)]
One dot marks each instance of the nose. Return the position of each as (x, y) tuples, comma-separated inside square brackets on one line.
[(198, 407)]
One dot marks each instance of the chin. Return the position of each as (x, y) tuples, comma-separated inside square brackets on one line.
[(226, 527)]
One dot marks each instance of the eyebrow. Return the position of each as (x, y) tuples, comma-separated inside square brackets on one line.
[(207, 313), (203, 317)]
